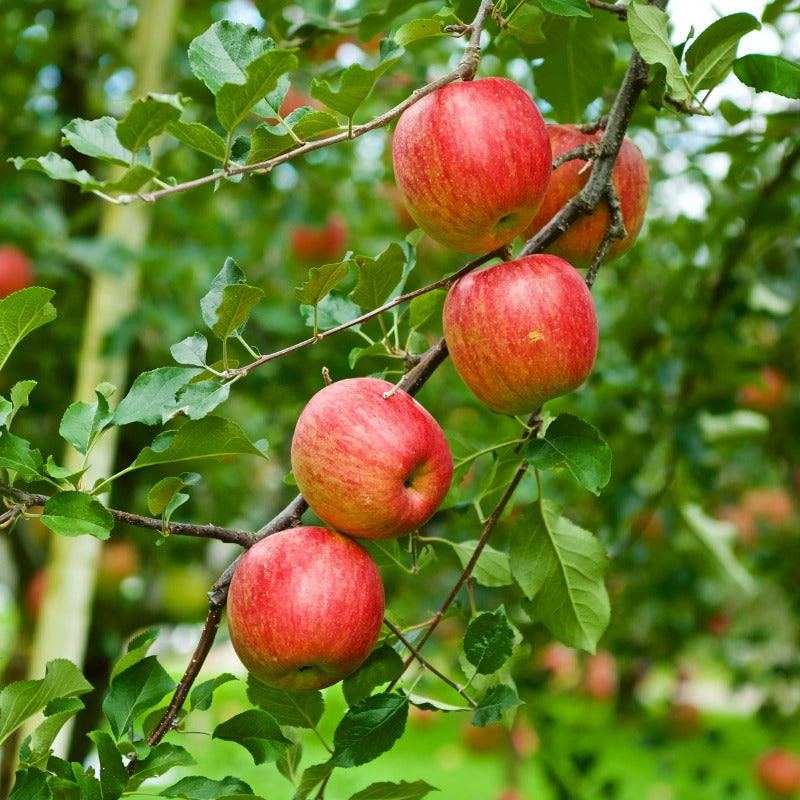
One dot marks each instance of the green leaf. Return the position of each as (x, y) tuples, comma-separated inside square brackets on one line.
[(198, 400), (311, 778), (332, 311), (152, 397), (586, 47), (493, 707), (81, 422), (191, 351), (97, 138), (221, 54), (149, 116), (229, 275), (382, 665), (21, 313), (297, 709), (648, 28), (257, 731), (113, 775), (31, 784), (306, 123), (769, 74), (162, 495), (18, 455), (73, 513), (355, 83), (718, 538), (424, 307), (378, 277), (710, 57), (133, 691), (196, 787), (20, 392), (161, 758), (238, 300), (236, 100), (321, 281), (489, 641), (137, 649), (526, 25), (6, 410), (417, 29), (369, 728), (35, 751), (202, 694), (58, 168), (374, 350), (23, 699), (575, 444), (493, 567), (394, 791), (199, 137), (567, 8), (211, 437), (560, 567)]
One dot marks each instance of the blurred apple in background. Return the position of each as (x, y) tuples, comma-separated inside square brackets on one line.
[(778, 771), (768, 392), (600, 676), (324, 244), (16, 270)]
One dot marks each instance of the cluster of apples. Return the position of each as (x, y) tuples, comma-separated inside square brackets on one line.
[(305, 606), (473, 163)]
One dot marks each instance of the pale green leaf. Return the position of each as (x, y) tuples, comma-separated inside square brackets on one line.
[(148, 117), (21, 313)]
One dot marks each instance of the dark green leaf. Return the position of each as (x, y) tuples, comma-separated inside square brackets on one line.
[(710, 57), (306, 123), (394, 791), (113, 775), (236, 100), (575, 444), (560, 567), (23, 699), (148, 117), (374, 350), (202, 694), (355, 84), (425, 307), (289, 763), (197, 787), (137, 649), (494, 705), (200, 138), (36, 749), (238, 300), (489, 641), (30, 784), (73, 513), (151, 399), (17, 454), (82, 421), (20, 314), (311, 778), (321, 281), (229, 275), (133, 691), (368, 729), (769, 74), (257, 731), (567, 8), (161, 758), (417, 29), (382, 665), (163, 493), (378, 277), (526, 25), (211, 437), (97, 138), (297, 709)]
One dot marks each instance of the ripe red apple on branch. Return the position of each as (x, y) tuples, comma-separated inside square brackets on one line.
[(305, 608), (472, 161), (631, 181), (16, 271), (522, 332), (371, 466)]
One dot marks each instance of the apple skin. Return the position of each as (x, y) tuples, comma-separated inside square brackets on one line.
[(16, 271), (369, 466), (778, 771), (323, 244), (631, 179), (521, 332), (472, 161), (305, 608)]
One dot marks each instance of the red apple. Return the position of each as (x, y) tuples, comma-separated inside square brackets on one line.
[(370, 466), (561, 664), (16, 271), (323, 244), (305, 608), (778, 771), (631, 180), (522, 332), (770, 391), (472, 161)]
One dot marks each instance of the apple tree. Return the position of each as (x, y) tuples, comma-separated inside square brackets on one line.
[(574, 485)]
